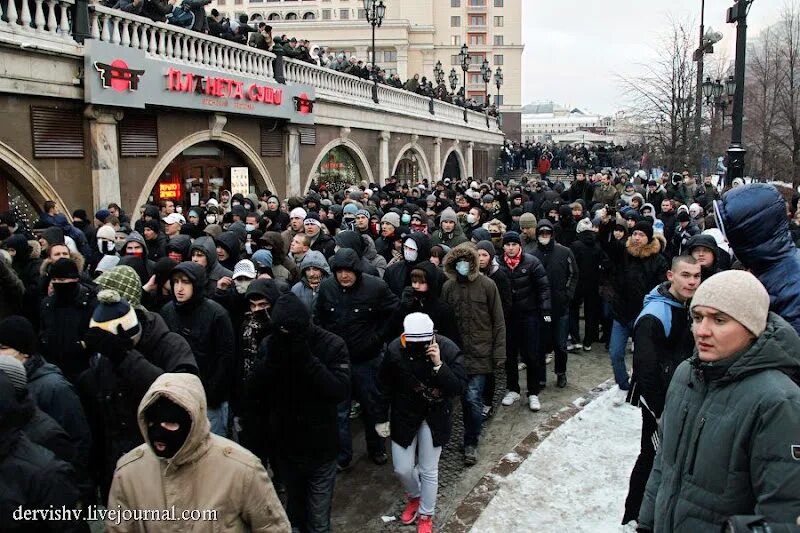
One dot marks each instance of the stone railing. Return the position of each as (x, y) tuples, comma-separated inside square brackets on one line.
[(44, 19)]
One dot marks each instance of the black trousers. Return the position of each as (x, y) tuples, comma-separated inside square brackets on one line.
[(642, 468), (591, 312)]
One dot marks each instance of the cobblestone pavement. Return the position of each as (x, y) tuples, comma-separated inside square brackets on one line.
[(368, 492)]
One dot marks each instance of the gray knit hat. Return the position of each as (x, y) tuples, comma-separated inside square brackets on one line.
[(448, 214), (738, 294), (527, 220), (15, 372), (392, 218)]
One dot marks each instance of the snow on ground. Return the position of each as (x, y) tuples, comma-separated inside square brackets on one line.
[(576, 480)]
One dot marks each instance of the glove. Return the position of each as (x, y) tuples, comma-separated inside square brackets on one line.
[(114, 347), (407, 297), (547, 318), (382, 429)]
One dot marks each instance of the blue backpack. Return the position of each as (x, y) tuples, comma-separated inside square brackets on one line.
[(182, 16)]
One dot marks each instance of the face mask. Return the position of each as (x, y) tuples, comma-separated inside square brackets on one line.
[(248, 207), (416, 350), (211, 219), (118, 246), (410, 255), (470, 219), (65, 291), (179, 209), (106, 247), (405, 219), (137, 253), (462, 267), (235, 203), (249, 227), (241, 285), (175, 256), (544, 241), (166, 411), (248, 246)]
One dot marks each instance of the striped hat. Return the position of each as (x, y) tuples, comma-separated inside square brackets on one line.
[(418, 327), (125, 281), (15, 372)]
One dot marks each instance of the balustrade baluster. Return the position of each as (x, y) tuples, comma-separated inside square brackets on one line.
[(38, 19), (169, 45), (11, 12), (135, 43), (115, 36), (64, 22), (52, 22), (192, 53), (126, 36), (25, 15), (162, 38)]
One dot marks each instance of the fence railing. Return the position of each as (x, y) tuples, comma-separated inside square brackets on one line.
[(37, 17)]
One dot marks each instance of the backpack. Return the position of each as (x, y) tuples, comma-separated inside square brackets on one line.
[(182, 16)]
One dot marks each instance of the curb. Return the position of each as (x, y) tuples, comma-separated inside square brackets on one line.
[(471, 507)]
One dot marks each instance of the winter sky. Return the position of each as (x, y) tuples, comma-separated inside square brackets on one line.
[(575, 48)]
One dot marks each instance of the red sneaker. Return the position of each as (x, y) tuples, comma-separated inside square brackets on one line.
[(410, 512), (425, 524)]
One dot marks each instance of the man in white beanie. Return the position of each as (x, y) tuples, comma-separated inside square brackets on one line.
[(730, 441), (296, 218)]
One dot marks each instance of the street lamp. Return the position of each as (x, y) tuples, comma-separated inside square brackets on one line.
[(463, 55), (498, 81), (453, 79), (438, 73), (375, 11), (736, 151), (486, 74)]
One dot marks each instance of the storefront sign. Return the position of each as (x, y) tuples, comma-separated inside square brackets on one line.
[(169, 191), (240, 181), (126, 77)]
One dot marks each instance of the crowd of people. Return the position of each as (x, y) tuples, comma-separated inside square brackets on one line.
[(204, 356), (540, 157)]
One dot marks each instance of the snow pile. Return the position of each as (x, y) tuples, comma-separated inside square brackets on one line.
[(576, 480)]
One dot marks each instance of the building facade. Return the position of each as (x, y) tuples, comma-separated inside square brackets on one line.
[(547, 121), (415, 34)]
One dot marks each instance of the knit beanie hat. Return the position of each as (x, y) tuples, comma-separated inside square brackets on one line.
[(486, 246), (684, 216), (298, 212), (511, 236), (448, 214), (107, 233), (15, 372), (391, 218), (17, 332), (363, 212), (213, 230), (417, 327), (527, 220), (102, 215), (583, 225), (64, 268), (262, 259), (738, 294), (163, 269), (350, 209), (123, 280), (113, 312), (245, 269), (645, 227), (312, 218)]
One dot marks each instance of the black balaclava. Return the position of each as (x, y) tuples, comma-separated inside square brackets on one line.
[(165, 410), (416, 350)]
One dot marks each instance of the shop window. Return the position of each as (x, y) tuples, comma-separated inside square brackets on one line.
[(57, 132), (138, 135)]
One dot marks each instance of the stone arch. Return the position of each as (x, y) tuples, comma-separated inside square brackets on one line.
[(462, 165), (425, 167), (274, 16), (291, 15), (252, 157), (34, 183), (364, 168)]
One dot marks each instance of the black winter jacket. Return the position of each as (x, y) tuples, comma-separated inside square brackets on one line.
[(530, 288), (63, 328), (562, 274), (592, 262), (398, 275), (352, 239), (44, 431), (416, 393)]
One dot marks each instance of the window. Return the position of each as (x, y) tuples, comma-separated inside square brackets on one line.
[(307, 16), (498, 22), (475, 77), (498, 40), (390, 56), (57, 132), (498, 3), (455, 40), (138, 135), (455, 3), (290, 16), (326, 14), (455, 22), (455, 60), (477, 59), (274, 16), (220, 2), (498, 59), (344, 14), (477, 3), (237, 2), (362, 14), (477, 20), (476, 39)]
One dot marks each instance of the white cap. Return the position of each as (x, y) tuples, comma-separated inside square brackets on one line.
[(418, 327), (298, 212), (174, 218), (244, 269)]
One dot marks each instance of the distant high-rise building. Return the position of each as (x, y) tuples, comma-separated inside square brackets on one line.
[(415, 35)]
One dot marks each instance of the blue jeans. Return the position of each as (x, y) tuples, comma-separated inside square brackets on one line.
[(472, 407), (616, 349), (364, 383), (309, 493), (218, 418), (420, 477)]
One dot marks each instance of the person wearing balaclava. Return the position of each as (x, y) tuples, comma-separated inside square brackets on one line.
[(476, 302), (134, 255), (420, 375), (182, 464), (65, 319), (231, 290), (416, 249), (314, 270)]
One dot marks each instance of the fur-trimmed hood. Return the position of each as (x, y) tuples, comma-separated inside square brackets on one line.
[(466, 251), (75, 256), (647, 250)]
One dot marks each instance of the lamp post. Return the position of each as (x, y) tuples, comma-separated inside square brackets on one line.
[(736, 151), (486, 74), (707, 42), (498, 81), (453, 79), (375, 11), (463, 55), (438, 73)]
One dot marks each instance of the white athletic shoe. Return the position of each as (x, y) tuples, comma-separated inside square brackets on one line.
[(510, 398), (533, 403), (619, 397)]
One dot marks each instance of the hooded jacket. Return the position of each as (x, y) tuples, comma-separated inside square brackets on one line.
[(530, 288), (300, 378), (26, 266), (398, 275), (359, 314), (230, 243), (476, 302), (214, 271), (301, 289), (180, 243), (207, 328), (62, 329), (283, 267), (279, 220), (592, 262), (241, 492), (706, 241), (753, 219), (372, 257), (562, 272), (451, 239), (729, 439), (352, 239)]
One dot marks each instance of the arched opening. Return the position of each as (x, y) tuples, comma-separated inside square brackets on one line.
[(274, 16), (340, 163), (15, 199), (256, 17), (23, 189), (309, 16), (411, 164), (199, 165), (291, 16), (453, 166)]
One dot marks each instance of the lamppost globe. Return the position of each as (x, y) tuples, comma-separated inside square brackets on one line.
[(375, 12), (718, 89), (708, 88), (730, 86), (453, 79)]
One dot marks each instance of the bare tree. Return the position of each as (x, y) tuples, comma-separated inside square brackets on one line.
[(786, 133), (663, 97)]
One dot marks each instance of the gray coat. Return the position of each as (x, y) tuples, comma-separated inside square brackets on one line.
[(301, 289)]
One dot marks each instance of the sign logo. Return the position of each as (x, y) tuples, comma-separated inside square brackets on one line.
[(303, 105), (118, 77)]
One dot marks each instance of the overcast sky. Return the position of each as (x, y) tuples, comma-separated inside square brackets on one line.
[(575, 48)]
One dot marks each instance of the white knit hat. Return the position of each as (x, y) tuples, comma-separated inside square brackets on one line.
[(738, 294), (418, 327), (298, 212), (15, 372), (244, 269), (584, 225)]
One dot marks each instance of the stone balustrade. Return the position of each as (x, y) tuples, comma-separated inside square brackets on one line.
[(37, 18)]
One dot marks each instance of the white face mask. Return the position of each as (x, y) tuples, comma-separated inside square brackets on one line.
[(235, 203), (410, 255), (470, 218), (211, 219), (241, 285), (249, 227), (179, 209), (544, 241), (462, 267), (105, 246)]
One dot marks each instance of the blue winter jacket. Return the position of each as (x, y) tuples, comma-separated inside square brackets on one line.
[(753, 219)]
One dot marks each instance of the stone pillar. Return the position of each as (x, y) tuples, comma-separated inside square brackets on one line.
[(383, 158), (468, 157), (437, 160), (293, 185), (105, 155), (402, 62), (362, 52)]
